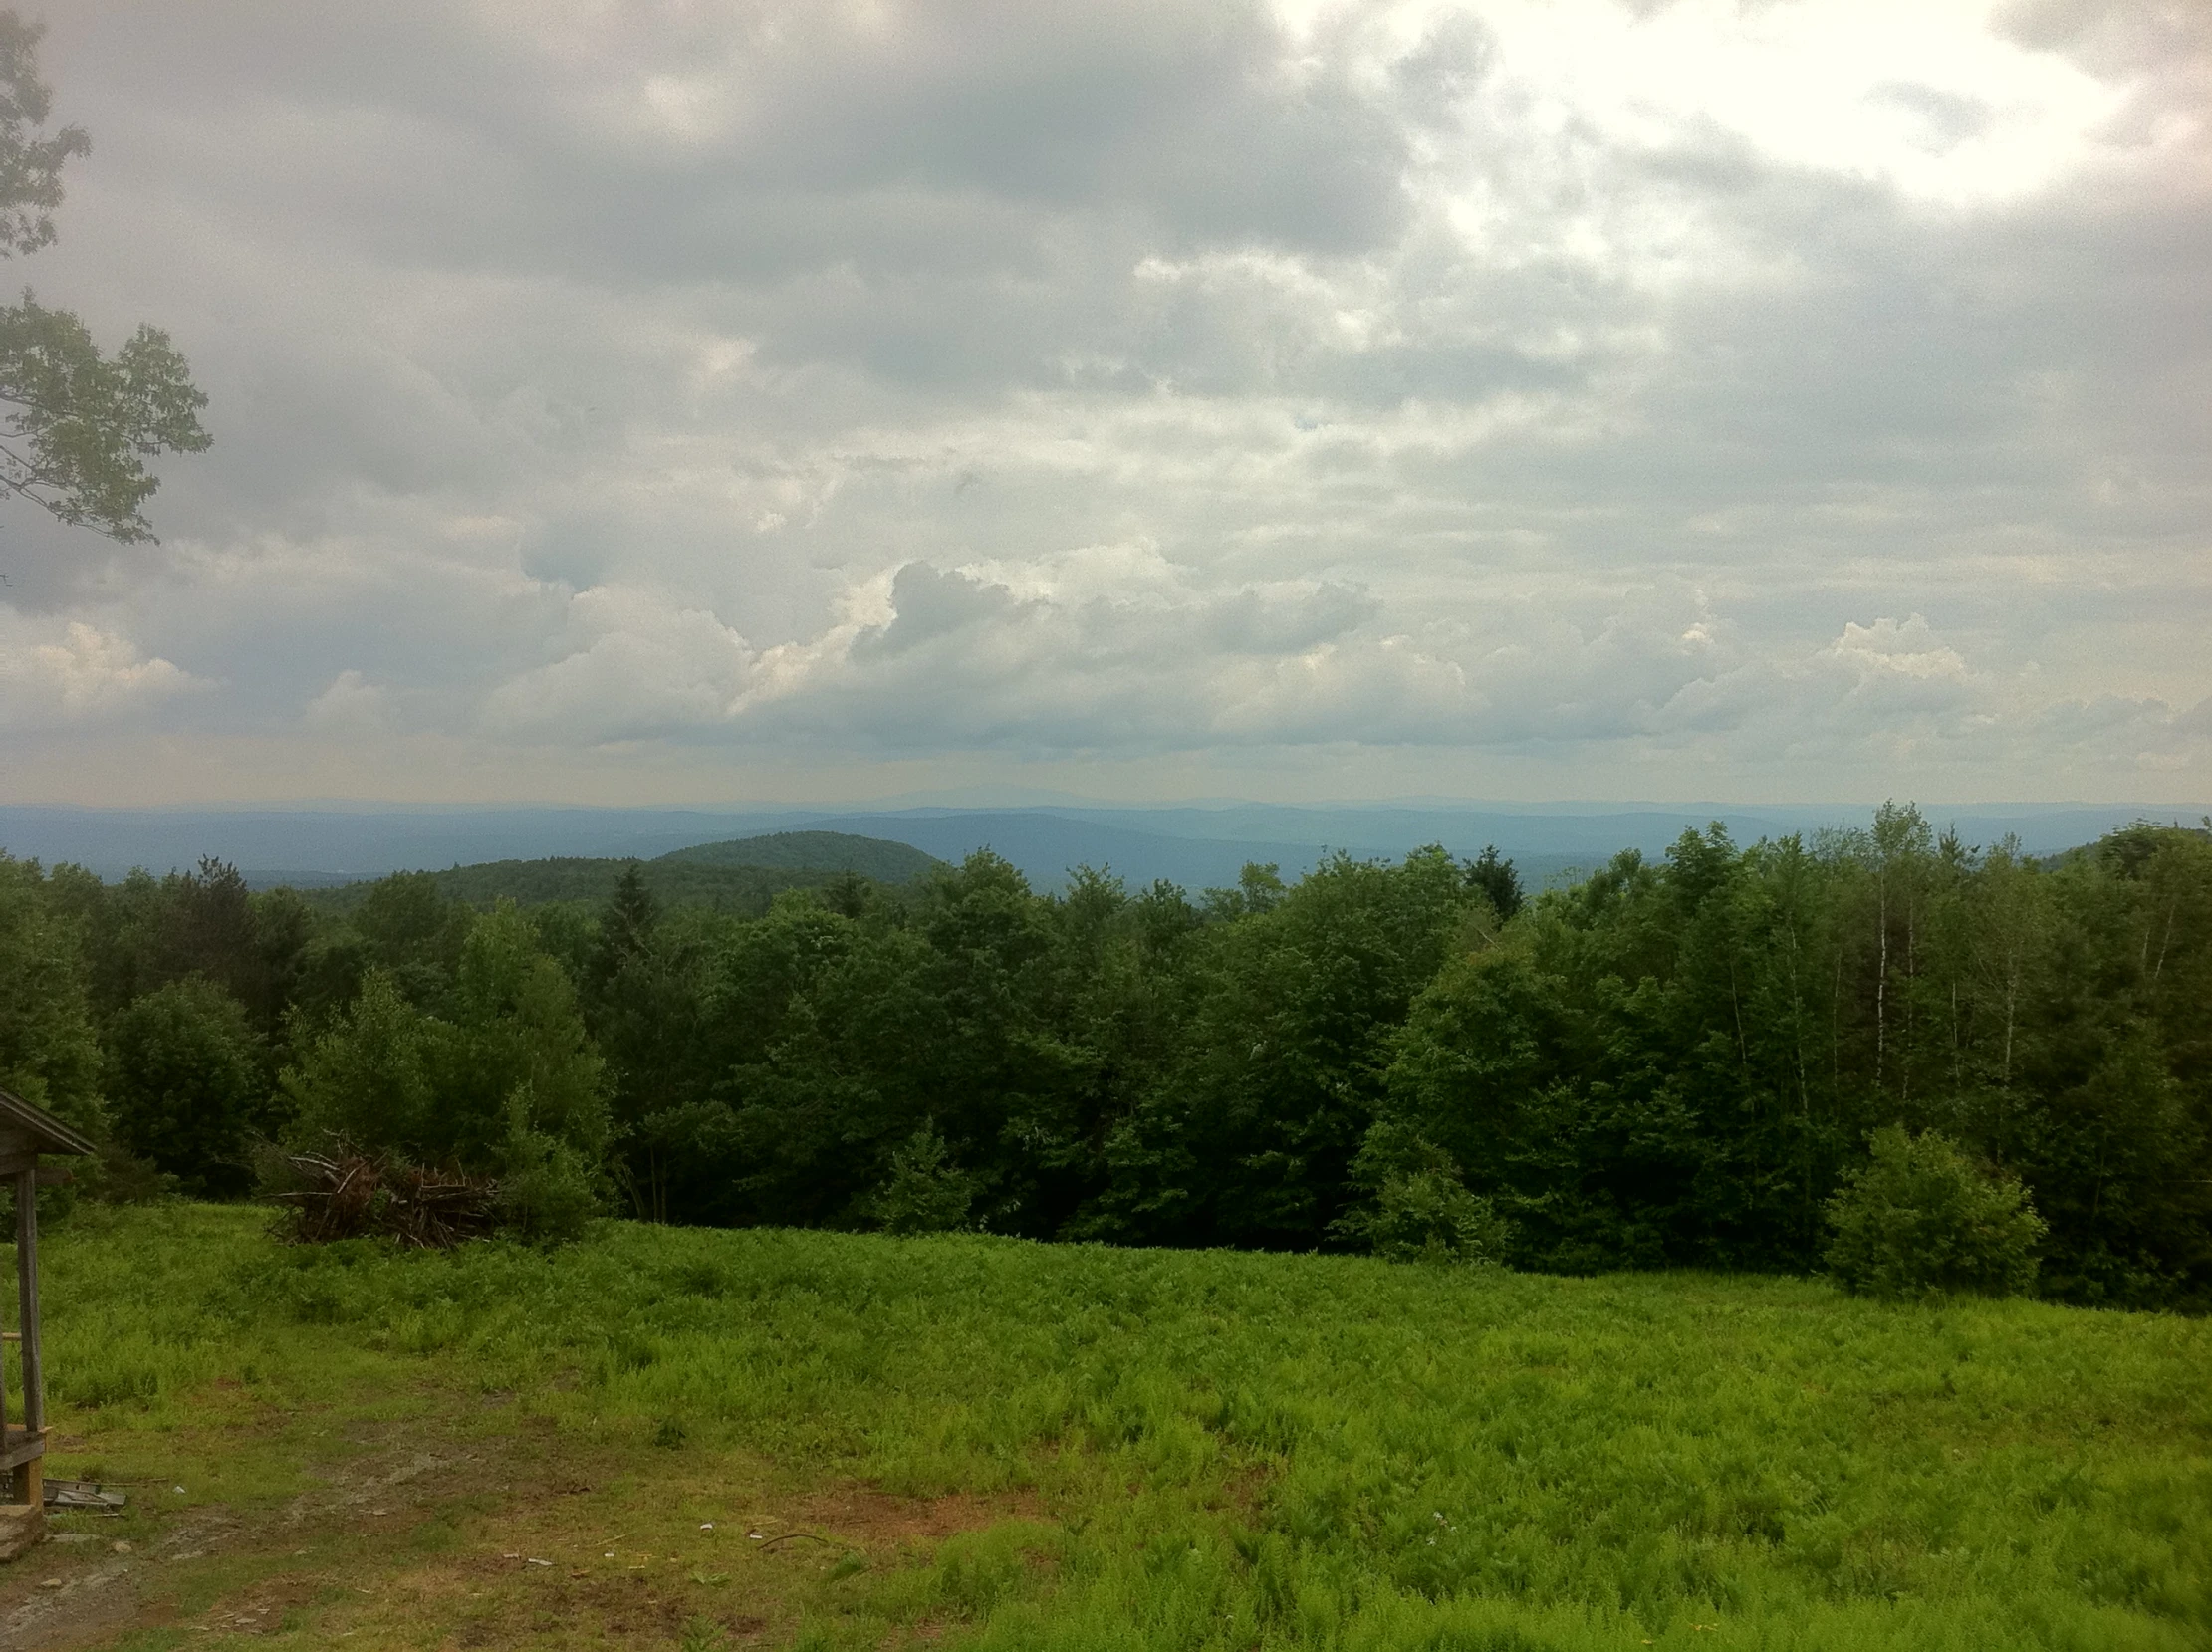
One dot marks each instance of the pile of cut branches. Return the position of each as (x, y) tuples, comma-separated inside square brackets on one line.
[(348, 1194)]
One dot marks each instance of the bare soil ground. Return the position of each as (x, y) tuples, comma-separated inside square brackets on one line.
[(464, 1526)]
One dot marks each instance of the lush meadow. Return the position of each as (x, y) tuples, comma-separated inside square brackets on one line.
[(1207, 1449)]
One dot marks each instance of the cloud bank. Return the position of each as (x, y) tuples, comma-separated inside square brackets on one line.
[(1322, 400)]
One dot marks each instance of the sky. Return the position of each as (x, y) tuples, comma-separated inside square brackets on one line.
[(819, 401)]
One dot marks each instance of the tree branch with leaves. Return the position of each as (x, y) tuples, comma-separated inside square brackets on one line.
[(79, 425)]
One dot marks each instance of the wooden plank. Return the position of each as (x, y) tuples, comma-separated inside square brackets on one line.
[(85, 1494), (13, 1336), (21, 1448), (27, 1293), (49, 1175)]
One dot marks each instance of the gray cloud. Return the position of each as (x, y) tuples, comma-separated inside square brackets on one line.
[(720, 391)]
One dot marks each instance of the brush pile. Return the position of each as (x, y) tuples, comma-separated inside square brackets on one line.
[(348, 1194)]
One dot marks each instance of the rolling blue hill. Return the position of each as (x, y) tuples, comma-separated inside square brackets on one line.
[(1197, 847)]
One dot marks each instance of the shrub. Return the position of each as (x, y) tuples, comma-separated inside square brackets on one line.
[(548, 1189), (1422, 1211), (926, 1192), (1430, 1216), (1920, 1219)]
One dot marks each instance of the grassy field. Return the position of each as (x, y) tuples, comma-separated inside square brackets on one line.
[(696, 1439)]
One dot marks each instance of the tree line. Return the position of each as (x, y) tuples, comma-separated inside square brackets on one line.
[(1672, 1063)]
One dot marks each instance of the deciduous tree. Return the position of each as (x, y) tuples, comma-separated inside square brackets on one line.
[(79, 423)]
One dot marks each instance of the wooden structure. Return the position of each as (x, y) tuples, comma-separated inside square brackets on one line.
[(26, 1132)]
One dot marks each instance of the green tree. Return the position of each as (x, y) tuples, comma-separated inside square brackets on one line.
[(1901, 858), (1493, 877), (185, 1084), (49, 1053), (79, 423), (815, 1019), (412, 932), (1497, 1065), (516, 1061), (1248, 1137), (510, 1085), (636, 1006), (365, 1078), (2007, 914), (548, 1187)]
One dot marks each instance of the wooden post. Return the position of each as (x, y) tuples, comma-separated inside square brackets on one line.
[(27, 1293), (4, 1382), (30, 1483)]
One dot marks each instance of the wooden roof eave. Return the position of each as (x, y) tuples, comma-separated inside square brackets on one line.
[(48, 1134)]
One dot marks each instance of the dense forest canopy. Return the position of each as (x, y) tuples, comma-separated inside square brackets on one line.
[(1672, 1063)]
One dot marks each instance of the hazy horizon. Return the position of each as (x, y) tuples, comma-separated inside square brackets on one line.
[(1194, 845)]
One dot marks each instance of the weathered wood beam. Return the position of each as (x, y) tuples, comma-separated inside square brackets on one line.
[(27, 1294), (20, 1448)]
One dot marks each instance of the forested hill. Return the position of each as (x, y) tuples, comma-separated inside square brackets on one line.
[(742, 876), (839, 852)]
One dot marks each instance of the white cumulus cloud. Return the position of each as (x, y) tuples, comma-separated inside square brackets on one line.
[(81, 676)]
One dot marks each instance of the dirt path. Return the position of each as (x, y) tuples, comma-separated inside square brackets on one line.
[(458, 1530), (85, 1587)]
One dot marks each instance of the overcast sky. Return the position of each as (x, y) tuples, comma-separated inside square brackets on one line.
[(809, 401)]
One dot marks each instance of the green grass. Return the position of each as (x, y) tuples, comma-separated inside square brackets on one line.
[(1236, 1450)]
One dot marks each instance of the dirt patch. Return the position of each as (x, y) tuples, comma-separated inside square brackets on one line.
[(1246, 1490), (875, 1520), (546, 1541), (624, 1606), (77, 1598), (61, 1596), (93, 1602), (501, 1606), (379, 1484), (261, 1610)]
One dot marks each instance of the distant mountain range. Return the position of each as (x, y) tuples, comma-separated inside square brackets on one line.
[(1197, 847), (741, 876)]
